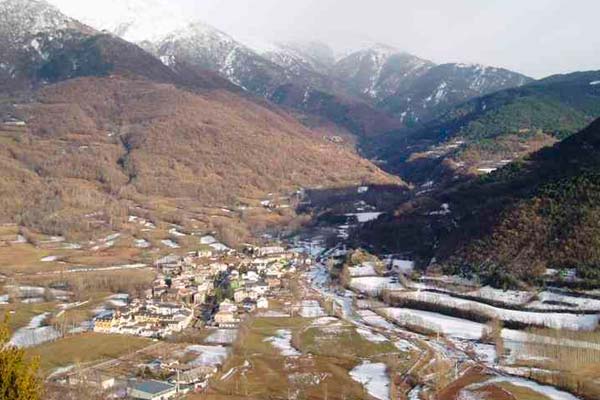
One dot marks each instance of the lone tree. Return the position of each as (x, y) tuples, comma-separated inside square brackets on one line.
[(18, 376)]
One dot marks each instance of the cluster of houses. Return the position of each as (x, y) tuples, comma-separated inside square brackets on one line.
[(186, 284), (214, 286), (148, 318), (254, 280)]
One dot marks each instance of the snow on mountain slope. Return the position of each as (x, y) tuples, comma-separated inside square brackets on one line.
[(416, 89), (379, 70), (29, 29), (206, 47), (300, 56), (132, 20), (446, 85), (21, 19)]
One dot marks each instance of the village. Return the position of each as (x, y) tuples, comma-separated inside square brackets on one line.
[(205, 288), (209, 291)]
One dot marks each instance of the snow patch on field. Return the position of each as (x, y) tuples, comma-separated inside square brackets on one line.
[(374, 378), (283, 342), (170, 243), (209, 356), (222, 336), (326, 321), (373, 285), (550, 320), (142, 243), (415, 393), (34, 333), (175, 232), (371, 336), (405, 345), (61, 370), (405, 267), (311, 309), (450, 326), (548, 391), (554, 301), (377, 321), (513, 297), (272, 314), (365, 269)]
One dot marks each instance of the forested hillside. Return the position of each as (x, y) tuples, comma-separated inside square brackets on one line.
[(488, 131), (92, 145), (511, 225)]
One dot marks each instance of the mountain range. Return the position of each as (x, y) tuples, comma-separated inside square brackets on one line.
[(369, 92)]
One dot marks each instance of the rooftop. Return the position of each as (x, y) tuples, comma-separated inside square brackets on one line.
[(153, 387)]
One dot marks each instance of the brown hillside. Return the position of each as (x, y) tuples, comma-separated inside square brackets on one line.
[(103, 144)]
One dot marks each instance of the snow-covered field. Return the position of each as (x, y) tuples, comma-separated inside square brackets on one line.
[(464, 329), (401, 266), (449, 326), (553, 301), (550, 320), (514, 297), (209, 356), (222, 336), (34, 333), (311, 309), (282, 341), (365, 269), (373, 285), (374, 378)]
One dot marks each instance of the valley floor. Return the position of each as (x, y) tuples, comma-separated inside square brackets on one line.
[(331, 331)]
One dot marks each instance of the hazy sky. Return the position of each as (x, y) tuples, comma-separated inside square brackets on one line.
[(536, 37)]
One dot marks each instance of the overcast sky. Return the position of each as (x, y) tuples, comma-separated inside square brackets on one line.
[(536, 37)]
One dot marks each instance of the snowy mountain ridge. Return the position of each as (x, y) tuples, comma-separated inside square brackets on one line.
[(25, 19), (132, 20)]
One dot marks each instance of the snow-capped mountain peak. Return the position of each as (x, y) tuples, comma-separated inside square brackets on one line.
[(26, 18), (133, 20), (297, 56)]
